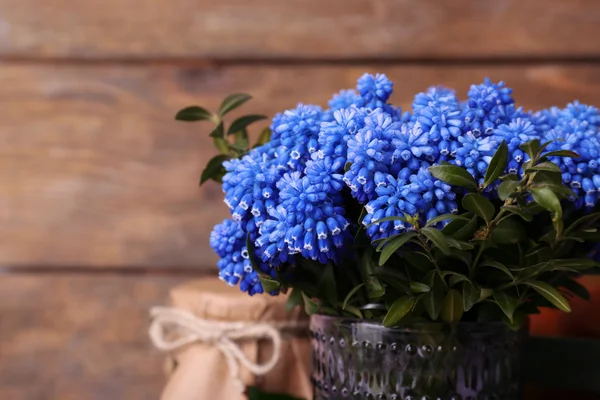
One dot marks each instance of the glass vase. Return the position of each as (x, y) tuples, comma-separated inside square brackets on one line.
[(355, 359)]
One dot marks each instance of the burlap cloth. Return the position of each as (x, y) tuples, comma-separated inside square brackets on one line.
[(200, 369)]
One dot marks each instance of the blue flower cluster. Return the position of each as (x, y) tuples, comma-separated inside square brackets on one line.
[(290, 196)]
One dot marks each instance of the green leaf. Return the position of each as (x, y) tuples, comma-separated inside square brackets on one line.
[(327, 285), (453, 175), (550, 294), (452, 307), (419, 287), (269, 285), (455, 277), (470, 295), (193, 113), (241, 140), (576, 288), (497, 164), (367, 267), (584, 221), (243, 122), (214, 167), (351, 294), (294, 300), (562, 153), (432, 300), (467, 231), (524, 214), (393, 278), (547, 199), (479, 205), (437, 238), (544, 166), (459, 244), (222, 145), (531, 148), (218, 131), (264, 137), (507, 303), (507, 188), (508, 231), (446, 217), (485, 293), (394, 245), (310, 306), (355, 311), (232, 102), (418, 260), (398, 310), (498, 266)]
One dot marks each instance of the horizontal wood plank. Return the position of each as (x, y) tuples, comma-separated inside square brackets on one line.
[(266, 29), (73, 337), (95, 172)]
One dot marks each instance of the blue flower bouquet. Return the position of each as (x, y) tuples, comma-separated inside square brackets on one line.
[(474, 210)]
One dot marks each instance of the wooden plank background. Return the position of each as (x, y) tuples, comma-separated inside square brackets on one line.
[(100, 213)]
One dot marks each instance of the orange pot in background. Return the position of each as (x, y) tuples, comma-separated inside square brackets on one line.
[(583, 321)]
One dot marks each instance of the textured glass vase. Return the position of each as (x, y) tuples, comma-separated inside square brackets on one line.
[(355, 359)]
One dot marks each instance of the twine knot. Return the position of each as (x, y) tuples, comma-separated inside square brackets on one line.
[(189, 329)]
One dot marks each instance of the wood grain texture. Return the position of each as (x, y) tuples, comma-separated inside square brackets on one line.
[(72, 337), (95, 172), (333, 29)]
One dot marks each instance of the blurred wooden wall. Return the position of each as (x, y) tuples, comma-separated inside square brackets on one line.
[(100, 213)]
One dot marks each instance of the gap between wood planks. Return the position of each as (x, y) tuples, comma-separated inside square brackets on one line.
[(193, 272), (312, 62)]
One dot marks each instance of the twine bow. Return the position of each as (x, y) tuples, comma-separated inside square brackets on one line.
[(223, 335)]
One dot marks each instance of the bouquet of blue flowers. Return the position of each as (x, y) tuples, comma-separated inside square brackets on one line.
[(456, 210)]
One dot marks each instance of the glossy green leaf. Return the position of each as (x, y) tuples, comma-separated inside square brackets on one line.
[(269, 285), (193, 113), (232, 102), (214, 167), (418, 260), (459, 244), (393, 278), (218, 131), (452, 307), (497, 164), (398, 310), (468, 230), (310, 306), (394, 245), (446, 217), (479, 205), (547, 199), (498, 266), (294, 300), (351, 294), (327, 285), (453, 175), (507, 188), (562, 153), (222, 145), (576, 288), (243, 122), (419, 287), (455, 277), (550, 294), (241, 140), (507, 303), (531, 148), (264, 137), (586, 221), (432, 300), (544, 166), (470, 295), (437, 238), (508, 231), (355, 311), (523, 213)]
